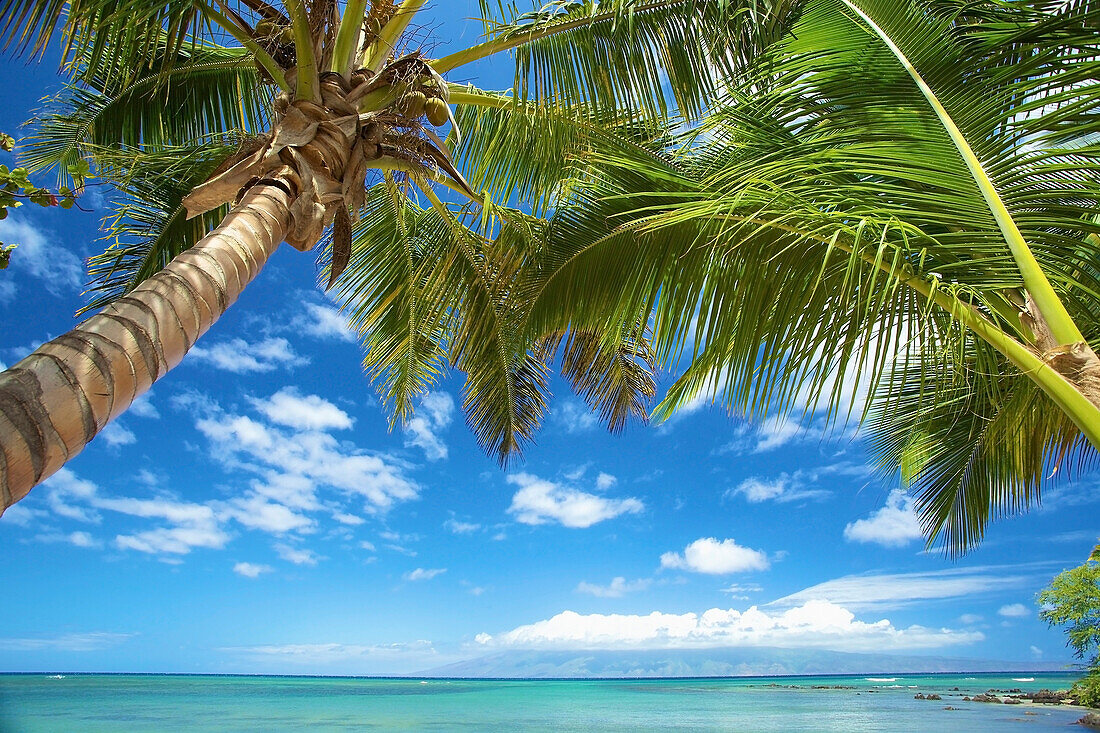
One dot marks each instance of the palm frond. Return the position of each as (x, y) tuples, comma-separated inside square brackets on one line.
[(652, 55), (150, 225), (201, 90)]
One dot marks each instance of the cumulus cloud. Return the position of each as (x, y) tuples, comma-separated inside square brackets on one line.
[(305, 412), (1014, 610), (22, 515), (293, 465), (539, 501), (424, 573), (901, 590), (257, 512), (894, 525), (433, 416), (116, 435), (617, 588), (189, 525), (817, 624), (771, 434), (143, 407), (458, 527), (295, 555), (76, 539), (251, 570), (605, 481), (574, 417), (324, 322), (68, 495), (782, 489), (714, 557), (42, 256), (241, 357)]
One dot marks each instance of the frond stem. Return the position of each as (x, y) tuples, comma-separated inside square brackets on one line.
[(391, 33), (263, 58), (347, 38), (1050, 306), (308, 83), (1076, 405), (488, 48)]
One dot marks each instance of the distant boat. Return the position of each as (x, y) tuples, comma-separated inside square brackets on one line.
[(55, 677)]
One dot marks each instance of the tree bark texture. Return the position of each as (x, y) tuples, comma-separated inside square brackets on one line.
[(53, 402)]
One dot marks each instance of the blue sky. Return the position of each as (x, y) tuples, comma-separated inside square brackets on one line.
[(254, 514)]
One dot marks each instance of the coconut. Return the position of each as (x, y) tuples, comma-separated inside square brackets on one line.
[(437, 111), (413, 104)]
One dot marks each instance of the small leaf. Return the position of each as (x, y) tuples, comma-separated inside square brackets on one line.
[(341, 245)]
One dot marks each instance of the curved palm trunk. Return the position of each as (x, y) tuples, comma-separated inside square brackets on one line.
[(53, 402)]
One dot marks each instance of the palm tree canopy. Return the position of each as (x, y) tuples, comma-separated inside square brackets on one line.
[(850, 212), (180, 104)]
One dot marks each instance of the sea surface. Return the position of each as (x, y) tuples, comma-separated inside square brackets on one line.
[(89, 703)]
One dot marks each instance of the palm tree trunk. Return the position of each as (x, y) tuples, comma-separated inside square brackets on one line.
[(57, 399)]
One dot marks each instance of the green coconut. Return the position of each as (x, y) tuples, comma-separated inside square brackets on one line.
[(437, 111), (414, 103)]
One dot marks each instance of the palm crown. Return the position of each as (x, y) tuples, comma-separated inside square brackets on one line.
[(898, 194), (319, 122)]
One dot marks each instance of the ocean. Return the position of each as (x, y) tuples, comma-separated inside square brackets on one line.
[(90, 703)]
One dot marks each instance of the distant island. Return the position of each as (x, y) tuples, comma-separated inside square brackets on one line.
[(729, 662)]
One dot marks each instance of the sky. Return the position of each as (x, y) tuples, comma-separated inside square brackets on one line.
[(253, 513)]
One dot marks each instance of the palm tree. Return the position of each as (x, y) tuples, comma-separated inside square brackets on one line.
[(901, 193), (271, 123)]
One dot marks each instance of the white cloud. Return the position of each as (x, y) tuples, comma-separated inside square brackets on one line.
[(894, 525), (434, 415), (65, 491), (816, 624), (782, 489), (738, 590), (256, 512), (42, 256), (539, 501), (195, 525), (87, 642), (349, 519), (900, 590), (173, 540), (305, 412), (241, 357), (22, 516), (605, 481), (424, 573), (708, 555), (295, 555), (574, 417), (1014, 610), (617, 588), (341, 658), (294, 465), (143, 407), (970, 619), (115, 435), (324, 322), (251, 570), (773, 433), (83, 539), (461, 527)]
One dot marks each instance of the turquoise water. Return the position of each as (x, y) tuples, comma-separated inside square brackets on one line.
[(93, 703)]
